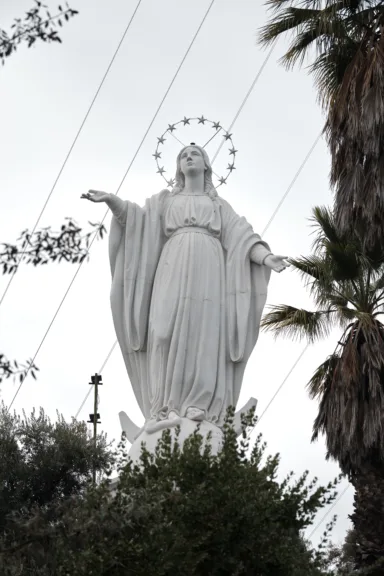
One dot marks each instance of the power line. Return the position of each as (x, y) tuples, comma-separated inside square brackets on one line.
[(284, 196), (117, 191), (282, 384), (72, 145), (245, 99), (292, 183), (280, 203), (329, 511)]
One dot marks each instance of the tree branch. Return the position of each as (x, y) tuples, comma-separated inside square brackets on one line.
[(13, 369), (46, 246), (35, 25)]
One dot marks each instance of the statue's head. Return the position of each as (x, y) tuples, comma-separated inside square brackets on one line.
[(192, 160)]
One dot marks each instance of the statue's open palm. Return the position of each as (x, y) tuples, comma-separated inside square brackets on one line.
[(276, 262), (95, 196)]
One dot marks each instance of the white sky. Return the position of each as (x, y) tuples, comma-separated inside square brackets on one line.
[(44, 94)]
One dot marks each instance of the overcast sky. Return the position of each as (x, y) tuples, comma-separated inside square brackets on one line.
[(44, 94)]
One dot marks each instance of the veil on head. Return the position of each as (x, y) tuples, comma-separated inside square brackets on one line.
[(209, 188)]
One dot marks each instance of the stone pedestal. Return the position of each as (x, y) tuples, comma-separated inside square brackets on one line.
[(187, 427), (136, 436)]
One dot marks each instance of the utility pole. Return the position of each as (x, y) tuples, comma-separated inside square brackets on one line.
[(94, 418)]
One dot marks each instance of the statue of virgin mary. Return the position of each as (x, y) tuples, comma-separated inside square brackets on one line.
[(189, 284)]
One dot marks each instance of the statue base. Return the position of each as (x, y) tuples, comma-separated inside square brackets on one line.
[(152, 430), (187, 427)]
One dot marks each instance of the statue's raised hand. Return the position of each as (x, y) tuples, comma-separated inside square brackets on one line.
[(95, 196), (276, 262)]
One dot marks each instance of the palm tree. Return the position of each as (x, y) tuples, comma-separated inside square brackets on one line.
[(344, 41), (346, 281)]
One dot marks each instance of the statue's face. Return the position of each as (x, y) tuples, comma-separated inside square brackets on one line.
[(191, 161)]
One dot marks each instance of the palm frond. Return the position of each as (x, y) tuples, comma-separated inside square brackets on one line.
[(349, 387), (342, 314), (316, 275), (284, 20), (313, 268), (297, 323), (322, 377), (342, 254), (344, 261), (329, 69), (336, 30), (374, 258), (378, 285), (325, 227)]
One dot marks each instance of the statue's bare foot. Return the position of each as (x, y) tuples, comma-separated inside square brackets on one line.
[(195, 414)]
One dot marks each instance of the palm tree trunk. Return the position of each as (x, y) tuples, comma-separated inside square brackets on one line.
[(368, 515)]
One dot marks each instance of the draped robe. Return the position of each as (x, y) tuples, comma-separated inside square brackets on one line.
[(186, 301)]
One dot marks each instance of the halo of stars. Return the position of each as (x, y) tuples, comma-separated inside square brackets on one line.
[(187, 122)]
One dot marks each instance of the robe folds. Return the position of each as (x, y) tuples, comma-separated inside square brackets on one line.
[(186, 301)]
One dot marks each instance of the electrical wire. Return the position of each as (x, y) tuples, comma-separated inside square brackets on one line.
[(245, 99), (72, 147), (329, 511), (117, 191), (280, 203), (282, 384), (292, 183)]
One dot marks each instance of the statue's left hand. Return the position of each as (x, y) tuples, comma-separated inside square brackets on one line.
[(276, 262)]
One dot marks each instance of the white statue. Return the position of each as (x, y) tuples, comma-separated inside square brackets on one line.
[(189, 284)]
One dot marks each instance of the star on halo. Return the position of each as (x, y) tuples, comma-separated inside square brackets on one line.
[(227, 136)]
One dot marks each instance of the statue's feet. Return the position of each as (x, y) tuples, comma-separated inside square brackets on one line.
[(195, 414), (171, 421)]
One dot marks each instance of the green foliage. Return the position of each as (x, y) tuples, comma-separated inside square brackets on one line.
[(14, 370), (346, 282), (341, 559), (180, 512), (343, 42), (44, 246), (330, 32), (43, 463), (37, 24)]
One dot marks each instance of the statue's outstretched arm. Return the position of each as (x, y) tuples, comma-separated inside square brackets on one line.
[(117, 207), (114, 203), (259, 253)]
